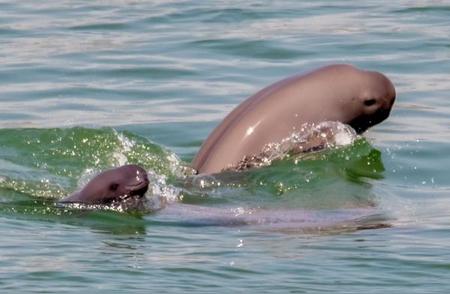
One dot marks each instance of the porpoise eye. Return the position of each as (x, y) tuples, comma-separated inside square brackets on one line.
[(370, 102), (114, 186)]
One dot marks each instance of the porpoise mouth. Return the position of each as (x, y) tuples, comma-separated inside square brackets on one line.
[(136, 190), (362, 123)]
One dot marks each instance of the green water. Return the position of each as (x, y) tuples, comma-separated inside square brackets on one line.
[(89, 85)]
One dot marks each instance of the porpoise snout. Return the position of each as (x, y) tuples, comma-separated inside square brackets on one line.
[(388, 99), (139, 186), (377, 97), (384, 90)]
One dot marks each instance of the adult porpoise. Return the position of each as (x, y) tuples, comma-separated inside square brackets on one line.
[(113, 185), (333, 93)]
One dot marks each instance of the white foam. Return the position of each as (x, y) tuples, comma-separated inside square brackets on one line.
[(160, 192), (310, 137), (126, 145)]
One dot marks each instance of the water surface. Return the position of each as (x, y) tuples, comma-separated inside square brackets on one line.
[(89, 85)]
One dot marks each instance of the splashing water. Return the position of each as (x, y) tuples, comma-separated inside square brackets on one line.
[(310, 137), (224, 198), (131, 64)]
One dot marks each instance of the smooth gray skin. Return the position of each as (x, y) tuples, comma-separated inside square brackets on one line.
[(276, 219), (332, 93), (112, 185)]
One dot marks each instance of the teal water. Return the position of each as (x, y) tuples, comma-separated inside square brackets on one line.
[(89, 85)]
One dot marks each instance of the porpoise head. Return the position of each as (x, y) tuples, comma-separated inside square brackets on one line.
[(116, 184), (374, 100)]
